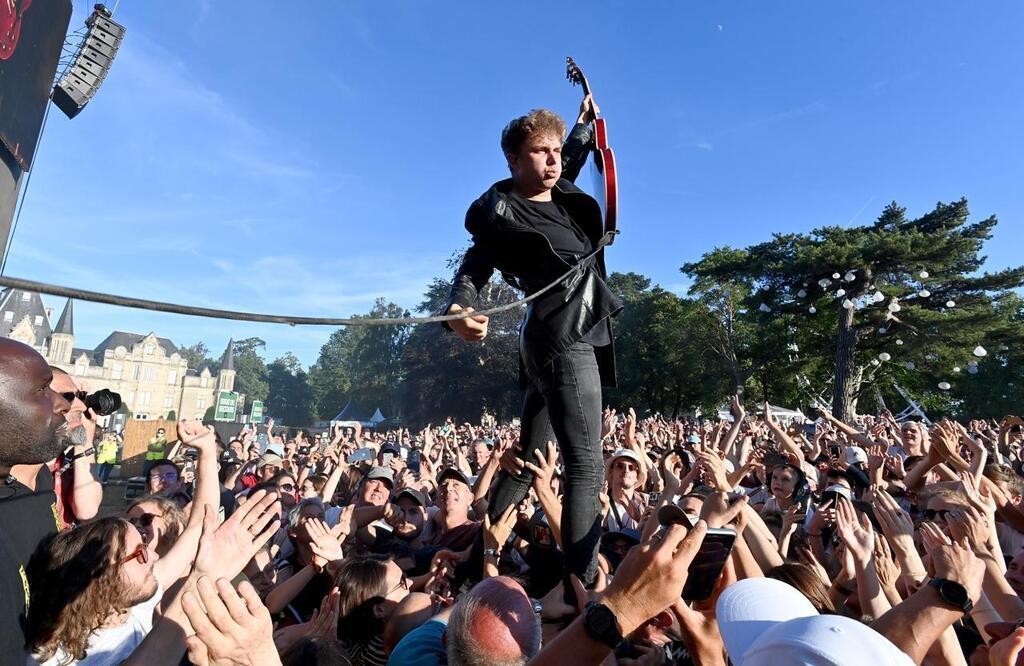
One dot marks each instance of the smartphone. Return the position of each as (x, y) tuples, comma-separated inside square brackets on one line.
[(653, 498), (386, 459), (361, 455), (414, 461), (707, 565), (833, 450)]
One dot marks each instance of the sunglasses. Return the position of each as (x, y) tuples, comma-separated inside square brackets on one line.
[(287, 487), (71, 395), (140, 554), (629, 467), (932, 514), (145, 520), (403, 584)]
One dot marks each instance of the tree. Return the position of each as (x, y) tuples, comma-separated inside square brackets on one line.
[(197, 355), (250, 369), (208, 416), (446, 376), (848, 294), (172, 415), (289, 397)]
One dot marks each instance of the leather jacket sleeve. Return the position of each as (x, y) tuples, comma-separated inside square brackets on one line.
[(575, 151), (474, 272)]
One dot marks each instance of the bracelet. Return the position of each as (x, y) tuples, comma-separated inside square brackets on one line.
[(492, 552), (88, 452)]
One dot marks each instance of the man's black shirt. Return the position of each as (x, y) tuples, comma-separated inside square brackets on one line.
[(566, 238)]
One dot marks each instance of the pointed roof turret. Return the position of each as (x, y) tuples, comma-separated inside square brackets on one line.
[(66, 323), (227, 362)]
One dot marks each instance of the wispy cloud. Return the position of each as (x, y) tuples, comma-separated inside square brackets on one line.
[(816, 106), (705, 145)]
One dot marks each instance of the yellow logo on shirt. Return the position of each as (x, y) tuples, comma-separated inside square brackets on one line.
[(24, 586)]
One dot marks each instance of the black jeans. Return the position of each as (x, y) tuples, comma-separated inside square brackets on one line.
[(564, 404)]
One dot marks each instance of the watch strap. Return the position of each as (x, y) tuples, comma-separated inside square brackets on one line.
[(941, 583), (606, 629)]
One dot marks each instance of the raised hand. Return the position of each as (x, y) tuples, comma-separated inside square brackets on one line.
[(196, 435), (231, 627), (223, 551), (544, 470), (325, 545), (856, 534), (736, 408), (716, 475)]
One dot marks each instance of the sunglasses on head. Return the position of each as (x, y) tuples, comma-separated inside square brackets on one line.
[(140, 554), (145, 520)]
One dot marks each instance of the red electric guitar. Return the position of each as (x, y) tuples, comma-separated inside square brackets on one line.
[(606, 184)]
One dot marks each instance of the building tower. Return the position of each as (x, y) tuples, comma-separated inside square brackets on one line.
[(62, 340), (226, 378)]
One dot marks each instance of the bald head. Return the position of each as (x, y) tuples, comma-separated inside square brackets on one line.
[(493, 623), (31, 414)]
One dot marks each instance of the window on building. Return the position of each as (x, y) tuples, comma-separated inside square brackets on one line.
[(9, 316), (142, 417), (39, 320), (148, 350), (131, 397), (149, 374), (136, 372), (204, 381), (168, 401), (25, 296), (200, 403), (172, 377), (116, 370), (144, 397), (80, 368)]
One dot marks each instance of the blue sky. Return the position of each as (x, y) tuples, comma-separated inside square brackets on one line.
[(307, 158)]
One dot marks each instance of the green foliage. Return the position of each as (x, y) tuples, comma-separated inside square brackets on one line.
[(250, 370), (837, 349), (172, 415), (198, 355), (290, 396)]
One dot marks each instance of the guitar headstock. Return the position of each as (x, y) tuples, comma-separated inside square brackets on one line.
[(575, 75)]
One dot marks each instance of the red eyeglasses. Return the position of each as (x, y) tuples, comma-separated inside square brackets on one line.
[(140, 553)]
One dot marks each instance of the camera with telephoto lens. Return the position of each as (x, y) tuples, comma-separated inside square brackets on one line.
[(103, 402)]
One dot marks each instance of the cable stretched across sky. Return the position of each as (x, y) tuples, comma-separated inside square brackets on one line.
[(195, 311)]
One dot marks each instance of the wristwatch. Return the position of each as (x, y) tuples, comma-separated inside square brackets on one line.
[(601, 624), (953, 593)]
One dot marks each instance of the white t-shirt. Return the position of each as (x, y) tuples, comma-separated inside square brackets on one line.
[(113, 645)]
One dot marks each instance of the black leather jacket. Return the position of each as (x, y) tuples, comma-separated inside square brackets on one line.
[(527, 261)]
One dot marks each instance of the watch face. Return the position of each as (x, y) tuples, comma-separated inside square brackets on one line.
[(601, 619), (956, 594)]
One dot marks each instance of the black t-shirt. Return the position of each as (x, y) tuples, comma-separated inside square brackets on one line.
[(28, 516), (552, 220), (566, 238)]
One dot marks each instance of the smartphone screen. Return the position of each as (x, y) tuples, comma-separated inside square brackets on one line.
[(387, 458), (707, 565), (360, 455), (414, 461)]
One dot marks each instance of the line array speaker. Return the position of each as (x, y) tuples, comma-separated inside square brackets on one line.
[(95, 56)]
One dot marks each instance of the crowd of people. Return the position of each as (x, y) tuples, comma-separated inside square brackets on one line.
[(744, 540)]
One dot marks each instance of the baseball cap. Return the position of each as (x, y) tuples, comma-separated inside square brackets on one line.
[(766, 622), (270, 458), (624, 453), (413, 494), (840, 489), (693, 439), (453, 472), (391, 447), (382, 473), (854, 455), (632, 536)]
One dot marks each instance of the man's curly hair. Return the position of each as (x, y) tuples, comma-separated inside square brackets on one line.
[(75, 583), (538, 121)]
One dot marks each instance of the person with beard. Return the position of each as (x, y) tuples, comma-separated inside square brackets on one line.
[(33, 426), (627, 504)]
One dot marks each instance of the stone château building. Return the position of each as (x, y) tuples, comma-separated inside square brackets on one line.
[(152, 377)]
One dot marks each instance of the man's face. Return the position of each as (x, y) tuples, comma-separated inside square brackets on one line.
[(1015, 574), (411, 522), (299, 532), (624, 473), (481, 454), (538, 164), (267, 472), (375, 492), (911, 436), (261, 572), (453, 496), (160, 434), (137, 576), (164, 478), (31, 413), (64, 384)]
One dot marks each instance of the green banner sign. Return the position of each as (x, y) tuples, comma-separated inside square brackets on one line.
[(227, 406), (256, 415)]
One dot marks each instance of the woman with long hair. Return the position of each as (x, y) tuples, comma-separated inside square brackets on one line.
[(370, 589)]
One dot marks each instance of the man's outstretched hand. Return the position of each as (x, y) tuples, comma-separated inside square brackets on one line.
[(470, 329)]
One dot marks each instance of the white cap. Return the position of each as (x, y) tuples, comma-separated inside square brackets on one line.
[(855, 454), (624, 453), (765, 622)]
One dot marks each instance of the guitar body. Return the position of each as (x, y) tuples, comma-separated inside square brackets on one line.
[(606, 182)]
